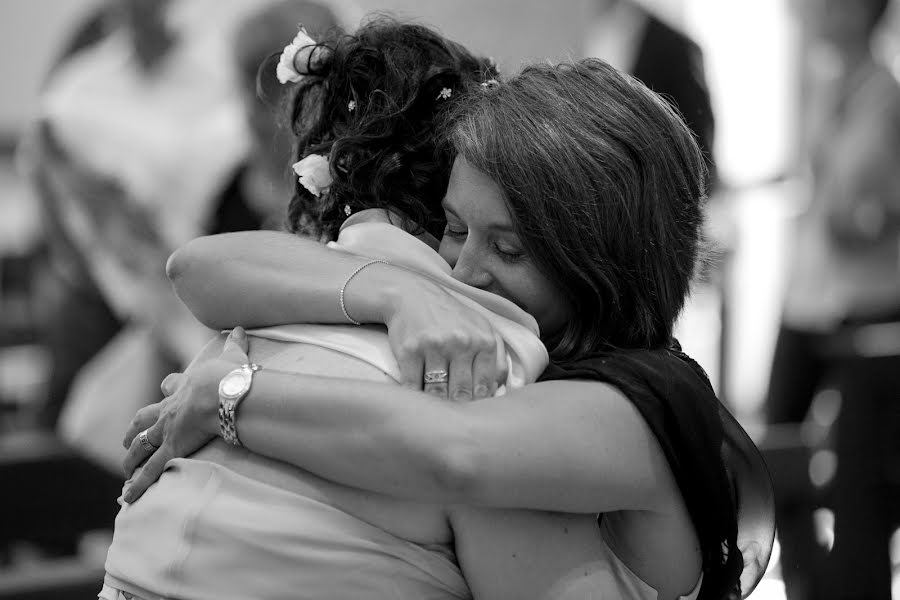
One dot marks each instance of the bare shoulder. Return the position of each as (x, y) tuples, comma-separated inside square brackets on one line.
[(661, 548), (657, 542), (548, 555), (527, 554), (589, 450)]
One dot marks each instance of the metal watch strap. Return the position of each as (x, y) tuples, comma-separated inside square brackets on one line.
[(228, 408)]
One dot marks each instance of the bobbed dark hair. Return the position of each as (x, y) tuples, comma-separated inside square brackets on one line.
[(605, 185), (385, 152)]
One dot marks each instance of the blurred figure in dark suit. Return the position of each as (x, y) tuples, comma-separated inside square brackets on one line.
[(632, 39)]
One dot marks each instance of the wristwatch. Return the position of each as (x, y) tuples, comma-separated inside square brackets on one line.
[(232, 389)]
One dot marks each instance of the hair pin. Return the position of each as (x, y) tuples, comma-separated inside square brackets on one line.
[(444, 94), (351, 106)]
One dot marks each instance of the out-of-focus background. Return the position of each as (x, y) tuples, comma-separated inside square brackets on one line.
[(147, 109)]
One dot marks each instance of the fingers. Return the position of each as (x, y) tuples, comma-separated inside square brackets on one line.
[(448, 361), (486, 374), (150, 472), (143, 419), (436, 377), (453, 371), (461, 378), (412, 368), (236, 346), (138, 452), (171, 383), (490, 369)]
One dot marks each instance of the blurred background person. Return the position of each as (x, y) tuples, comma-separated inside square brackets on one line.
[(142, 143), (633, 39), (264, 178), (843, 289)]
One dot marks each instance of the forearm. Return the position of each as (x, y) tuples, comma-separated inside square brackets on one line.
[(379, 437), (262, 278), (516, 451)]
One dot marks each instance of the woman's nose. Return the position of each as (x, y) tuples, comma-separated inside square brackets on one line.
[(470, 270)]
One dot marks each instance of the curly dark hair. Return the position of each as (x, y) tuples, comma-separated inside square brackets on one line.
[(385, 151)]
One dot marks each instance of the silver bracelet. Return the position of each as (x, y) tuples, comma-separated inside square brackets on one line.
[(344, 287)]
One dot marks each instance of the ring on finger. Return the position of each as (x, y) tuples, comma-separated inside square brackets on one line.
[(146, 444), (437, 376)]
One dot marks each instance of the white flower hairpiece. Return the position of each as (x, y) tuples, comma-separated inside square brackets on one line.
[(287, 64), (444, 94), (351, 106), (314, 174), (490, 83)]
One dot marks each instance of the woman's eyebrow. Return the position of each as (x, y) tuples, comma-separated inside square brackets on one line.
[(506, 227)]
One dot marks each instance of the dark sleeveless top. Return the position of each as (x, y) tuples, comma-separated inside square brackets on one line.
[(719, 471)]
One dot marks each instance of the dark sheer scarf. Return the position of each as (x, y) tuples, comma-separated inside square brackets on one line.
[(719, 471)]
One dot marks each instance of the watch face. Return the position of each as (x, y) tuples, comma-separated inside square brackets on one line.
[(233, 385)]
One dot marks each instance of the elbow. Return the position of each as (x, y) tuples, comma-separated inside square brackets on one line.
[(458, 470), (181, 261), (191, 264), (175, 267), (188, 268)]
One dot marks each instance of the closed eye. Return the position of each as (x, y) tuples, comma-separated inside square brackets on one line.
[(508, 255), (455, 233)]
